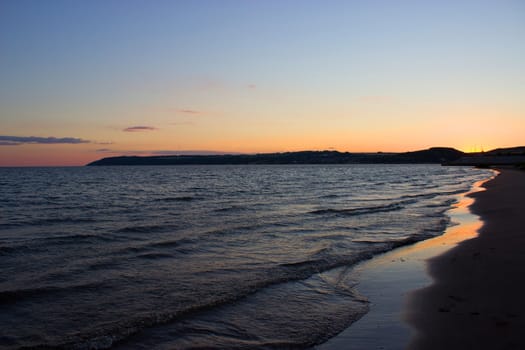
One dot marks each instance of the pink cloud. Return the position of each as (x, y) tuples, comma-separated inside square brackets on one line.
[(139, 128)]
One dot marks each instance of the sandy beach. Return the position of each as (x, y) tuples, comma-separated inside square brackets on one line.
[(477, 298)]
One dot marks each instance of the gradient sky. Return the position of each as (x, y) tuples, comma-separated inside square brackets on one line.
[(81, 80)]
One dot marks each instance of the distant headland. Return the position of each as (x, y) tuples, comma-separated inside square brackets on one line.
[(434, 155)]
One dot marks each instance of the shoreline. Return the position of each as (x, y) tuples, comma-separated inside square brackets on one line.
[(388, 280), (476, 300)]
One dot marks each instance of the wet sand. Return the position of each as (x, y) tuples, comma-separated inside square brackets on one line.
[(477, 300)]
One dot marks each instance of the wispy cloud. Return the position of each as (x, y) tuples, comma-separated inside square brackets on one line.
[(183, 123), (20, 140), (139, 128), (188, 111)]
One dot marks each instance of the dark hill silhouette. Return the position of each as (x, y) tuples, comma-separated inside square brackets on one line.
[(512, 151), (432, 155), (498, 156)]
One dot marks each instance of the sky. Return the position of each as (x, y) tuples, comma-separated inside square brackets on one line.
[(82, 80)]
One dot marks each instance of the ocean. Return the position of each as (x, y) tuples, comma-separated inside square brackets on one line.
[(187, 257)]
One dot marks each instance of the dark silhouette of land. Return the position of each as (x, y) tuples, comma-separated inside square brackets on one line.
[(433, 155), (499, 156)]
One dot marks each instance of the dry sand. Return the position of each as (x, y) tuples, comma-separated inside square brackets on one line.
[(477, 300)]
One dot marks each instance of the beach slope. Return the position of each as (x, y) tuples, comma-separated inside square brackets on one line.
[(477, 300)]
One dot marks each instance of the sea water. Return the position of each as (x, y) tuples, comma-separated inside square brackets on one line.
[(180, 257)]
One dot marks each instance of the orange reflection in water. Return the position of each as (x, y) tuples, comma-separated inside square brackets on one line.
[(465, 226)]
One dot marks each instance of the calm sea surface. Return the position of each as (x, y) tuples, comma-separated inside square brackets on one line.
[(182, 257)]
